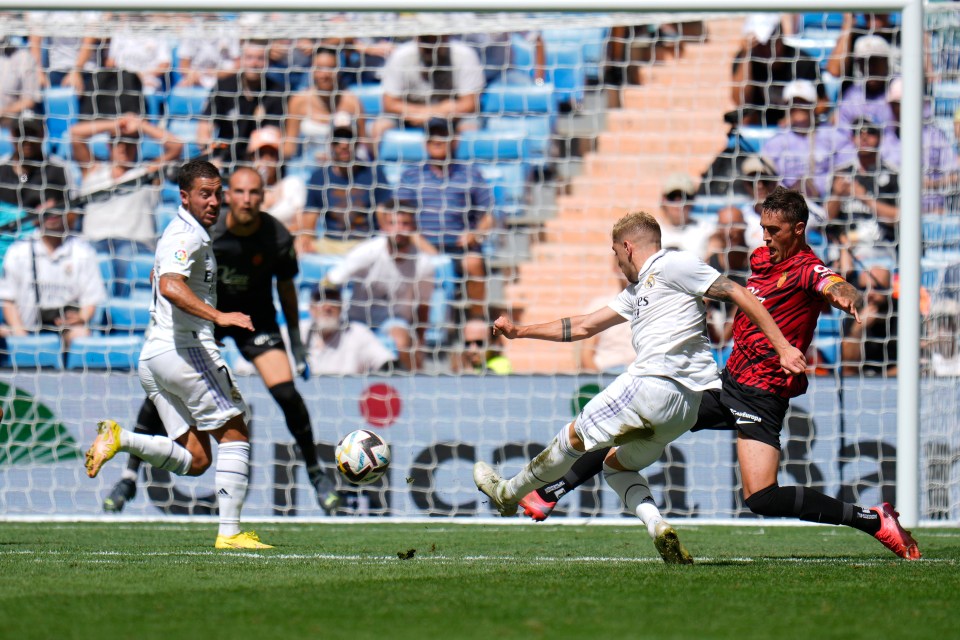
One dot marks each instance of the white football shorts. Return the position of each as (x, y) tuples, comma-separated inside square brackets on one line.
[(640, 415), (191, 386)]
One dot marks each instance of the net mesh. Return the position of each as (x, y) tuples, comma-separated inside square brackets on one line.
[(569, 121)]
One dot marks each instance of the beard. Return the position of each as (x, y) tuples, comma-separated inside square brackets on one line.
[(327, 324)]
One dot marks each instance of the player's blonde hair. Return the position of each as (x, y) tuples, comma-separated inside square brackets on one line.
[(637, 224)]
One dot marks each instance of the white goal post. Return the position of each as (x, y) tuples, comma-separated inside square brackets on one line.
[(908, 419)]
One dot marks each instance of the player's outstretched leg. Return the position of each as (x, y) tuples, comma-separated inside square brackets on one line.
[(550, 464), (635, 494), (298, 423), (148, 423), (160, 451), (892, 535), (539, 504)]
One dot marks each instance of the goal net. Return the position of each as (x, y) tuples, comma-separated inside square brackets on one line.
[(560, 124)]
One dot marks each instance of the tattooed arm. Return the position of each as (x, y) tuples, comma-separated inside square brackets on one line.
[(726, 290), (562, 330), (844, 296)]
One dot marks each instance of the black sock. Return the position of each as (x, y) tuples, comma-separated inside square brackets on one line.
[(589, 465), (298, 420), (812, 506), (148, 423)]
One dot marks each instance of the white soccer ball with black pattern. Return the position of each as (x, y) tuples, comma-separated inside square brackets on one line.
[(362, 457)]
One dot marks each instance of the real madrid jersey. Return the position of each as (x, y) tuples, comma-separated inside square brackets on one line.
[(184, 249), (667, 317)]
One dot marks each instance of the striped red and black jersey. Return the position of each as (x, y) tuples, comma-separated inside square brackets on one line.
[(791, 292)]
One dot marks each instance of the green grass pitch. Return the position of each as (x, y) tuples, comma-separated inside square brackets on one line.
[(142, 580)]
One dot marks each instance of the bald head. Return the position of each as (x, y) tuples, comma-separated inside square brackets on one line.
[(244, 198)]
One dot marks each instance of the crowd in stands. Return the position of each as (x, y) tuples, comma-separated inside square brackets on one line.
[(390, 208)]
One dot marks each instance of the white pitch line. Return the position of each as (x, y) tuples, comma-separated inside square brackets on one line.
[(111, 557)]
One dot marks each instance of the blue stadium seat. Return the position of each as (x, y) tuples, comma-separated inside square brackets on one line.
[(403, 145), (6, 145), (508, 180), (314, 268), (491, 145), (186, 102), (392, 172), (106, 270), (444, 293), (946, 98), (591, 42), (941, 232), (126, 315), (61, 107), (565, 71), (535, 130), (752, 139), (370, 96), (826, 338), (821, 21), (105, 352), (164, 214), (35, 351), (507, 99), (138, 271)]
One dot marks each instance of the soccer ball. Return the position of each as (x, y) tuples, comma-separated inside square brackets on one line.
[(362, 457)]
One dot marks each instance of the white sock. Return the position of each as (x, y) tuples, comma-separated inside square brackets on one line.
[(130, 474), (232, 478), (160, 451), (635, 494), (549, 465)]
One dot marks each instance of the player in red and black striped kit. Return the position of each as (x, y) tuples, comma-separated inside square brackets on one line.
[(794, 286)]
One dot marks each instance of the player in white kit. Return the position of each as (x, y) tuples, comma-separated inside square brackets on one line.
[(657, 398), (181, 368)]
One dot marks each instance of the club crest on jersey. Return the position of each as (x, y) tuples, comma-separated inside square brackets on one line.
[(180, 256), (783, 279), (650, 282)]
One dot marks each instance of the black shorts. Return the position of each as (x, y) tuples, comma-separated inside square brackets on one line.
[(253, 343), (755, 413)]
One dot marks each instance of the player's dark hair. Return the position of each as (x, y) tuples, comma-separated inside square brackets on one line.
[(193, 170), (790, 204), (399, 205)]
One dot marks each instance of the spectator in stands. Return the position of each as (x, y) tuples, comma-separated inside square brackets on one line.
[(51, 282), (609, 351), (942, 337), (362, 59), (342, 196), (288, 62), (864, 210), (19, 79), (149, 57), (495, 52), (869, 347), (284, 196), (764, 66), (119, 219), (738, 234), (70, 60), (203, 60), (392, 283), (939, 159), (678, 230), (337, 346), (311, 113), (29, 180), (241, 103), (805, 155), (867, 97), (431, 77), (482, 351), (455, 207), (841, 62)]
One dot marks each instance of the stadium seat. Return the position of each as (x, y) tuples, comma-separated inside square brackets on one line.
[(565, 71), (535, 130), (126, 315), (752, 139), (6, 146), (105, 352), (138, 271), (508, 180), (509, 99), (826, 338), (403, 145), (491, 145), (164, 215), (946, 99), (186, 102), (370, 96), (941, 232), (35, 351), (106, 270), (821, 21), (61, 107), (590, 40), (444, 293)]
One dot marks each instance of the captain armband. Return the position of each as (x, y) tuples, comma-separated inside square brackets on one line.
[(829, 282)]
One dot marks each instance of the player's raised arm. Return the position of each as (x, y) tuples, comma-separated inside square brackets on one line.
[(842, 295), (174, 288), (562, 330), (724, 289)]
